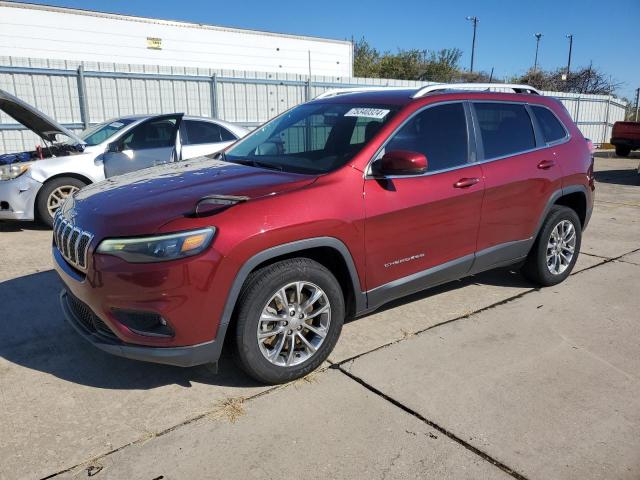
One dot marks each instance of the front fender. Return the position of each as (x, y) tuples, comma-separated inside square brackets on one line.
[(82, 165)]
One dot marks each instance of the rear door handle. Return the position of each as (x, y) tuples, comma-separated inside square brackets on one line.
[(546, 164), (466, 182)]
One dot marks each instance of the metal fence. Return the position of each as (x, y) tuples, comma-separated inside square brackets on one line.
[(79, 94)]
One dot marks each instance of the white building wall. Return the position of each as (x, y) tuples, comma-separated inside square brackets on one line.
[(36, 31)]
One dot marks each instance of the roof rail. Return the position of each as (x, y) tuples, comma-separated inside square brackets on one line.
[(476, 86), (334, 92)]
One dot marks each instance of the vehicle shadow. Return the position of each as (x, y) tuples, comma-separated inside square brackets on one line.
[(11, 226), (501, 277), (618, 177), (34, 334)]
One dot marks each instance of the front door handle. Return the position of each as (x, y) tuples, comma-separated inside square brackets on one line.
[(546, 164), (466, 182)]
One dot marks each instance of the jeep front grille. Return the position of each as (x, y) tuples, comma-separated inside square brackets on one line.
[(72, 242)]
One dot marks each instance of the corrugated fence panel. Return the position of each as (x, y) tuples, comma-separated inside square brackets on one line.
[(247, 98)]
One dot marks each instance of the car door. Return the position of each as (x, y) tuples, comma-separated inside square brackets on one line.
[(152, 142), (521, 173), (421, 230), (203, 137)]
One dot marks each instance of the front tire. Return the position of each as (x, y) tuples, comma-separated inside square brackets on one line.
[(623, 151), (555, 251), (53, 194), (289, 318)]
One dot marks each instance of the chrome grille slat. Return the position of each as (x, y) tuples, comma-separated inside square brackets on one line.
[(66, 233), (73, 245), (71, 241)]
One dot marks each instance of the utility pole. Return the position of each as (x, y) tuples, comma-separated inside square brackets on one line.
[(473, 20), (535, 62), (637, 98), (570, 37)]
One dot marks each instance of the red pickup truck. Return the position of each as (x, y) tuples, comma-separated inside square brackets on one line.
[(625, 137)]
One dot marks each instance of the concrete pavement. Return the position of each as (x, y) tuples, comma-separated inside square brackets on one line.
[(511, 380)]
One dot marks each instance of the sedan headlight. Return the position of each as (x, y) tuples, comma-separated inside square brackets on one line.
[(13, 170), (158, 248)]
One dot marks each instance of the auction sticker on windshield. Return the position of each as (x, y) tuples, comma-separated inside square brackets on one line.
[(378, 113)]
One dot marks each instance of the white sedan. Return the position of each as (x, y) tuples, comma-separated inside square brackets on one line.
[(34, 184)]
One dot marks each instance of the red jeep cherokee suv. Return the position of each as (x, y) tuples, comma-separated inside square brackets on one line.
[(326, 212)]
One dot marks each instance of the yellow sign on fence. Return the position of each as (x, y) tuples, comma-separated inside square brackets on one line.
[(154, 43)]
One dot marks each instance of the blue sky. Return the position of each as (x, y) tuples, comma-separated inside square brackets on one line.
[(606, 33)]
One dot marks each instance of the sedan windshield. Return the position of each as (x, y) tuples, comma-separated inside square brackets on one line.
[(99, 133), (312, 138)]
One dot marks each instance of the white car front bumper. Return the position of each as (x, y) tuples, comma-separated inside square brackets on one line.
[(18, 197)]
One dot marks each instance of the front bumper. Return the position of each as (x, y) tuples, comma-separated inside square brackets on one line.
[(190, 356), (18, 198), (169, 291)]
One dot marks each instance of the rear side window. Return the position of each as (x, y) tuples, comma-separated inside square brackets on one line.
[(505, 128), (439, 132), (551, 127), (206, 132)]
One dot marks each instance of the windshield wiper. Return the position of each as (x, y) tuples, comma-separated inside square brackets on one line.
[(253, 163)]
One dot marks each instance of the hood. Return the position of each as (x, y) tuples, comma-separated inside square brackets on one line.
[(33, 119), (139, 203)]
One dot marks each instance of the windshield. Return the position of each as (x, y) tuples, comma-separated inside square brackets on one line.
[(101, 132), (312, 138)]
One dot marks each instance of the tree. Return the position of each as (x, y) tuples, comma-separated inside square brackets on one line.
[(365, 59), (442, 66), (588, 80), (414, 64)]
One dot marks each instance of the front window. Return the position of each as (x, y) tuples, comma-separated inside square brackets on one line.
[(99, 133), (439, 132), (312, 138)]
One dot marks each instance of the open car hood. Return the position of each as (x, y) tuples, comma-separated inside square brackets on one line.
[(33, 119)]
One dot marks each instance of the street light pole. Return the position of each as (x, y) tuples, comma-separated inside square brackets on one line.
[(637, 98), (535, 62), (474, 20), (570, 37)]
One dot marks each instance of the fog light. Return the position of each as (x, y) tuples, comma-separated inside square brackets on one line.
[(144, 323)]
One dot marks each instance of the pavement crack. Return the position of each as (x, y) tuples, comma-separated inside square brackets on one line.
[(436, 325), (485, 456)]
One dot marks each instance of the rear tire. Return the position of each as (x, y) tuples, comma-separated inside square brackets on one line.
[(309, 288), (623, 151), (556, 250), (52, 196)]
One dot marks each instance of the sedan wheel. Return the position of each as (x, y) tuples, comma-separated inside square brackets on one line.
[(58, 196)]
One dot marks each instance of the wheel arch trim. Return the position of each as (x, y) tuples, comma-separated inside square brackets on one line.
[(285, 249), (553, 198)]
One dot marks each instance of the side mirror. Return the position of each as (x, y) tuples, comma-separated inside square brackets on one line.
[(114, 147), (400, 162)]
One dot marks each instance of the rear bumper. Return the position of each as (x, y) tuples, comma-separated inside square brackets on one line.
[(18, 197), (189, 356)]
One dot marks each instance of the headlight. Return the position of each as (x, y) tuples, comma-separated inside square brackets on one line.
[(9, 172), (159, 248)]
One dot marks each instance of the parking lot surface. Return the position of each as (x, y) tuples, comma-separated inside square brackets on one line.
[(487, 377)]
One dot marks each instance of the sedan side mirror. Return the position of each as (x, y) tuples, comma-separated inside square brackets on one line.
[(400, 162), (114, 147)]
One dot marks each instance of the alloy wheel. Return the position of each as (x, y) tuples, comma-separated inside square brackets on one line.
[(58, 196), (561, 247), (294, 323)]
